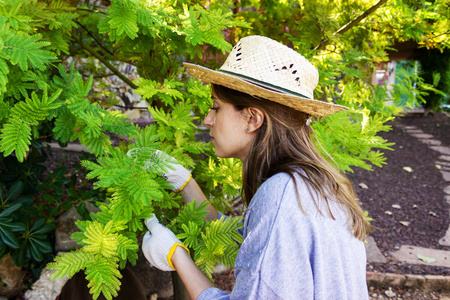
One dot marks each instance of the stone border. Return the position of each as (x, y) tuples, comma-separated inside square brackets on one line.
[(426, 282)]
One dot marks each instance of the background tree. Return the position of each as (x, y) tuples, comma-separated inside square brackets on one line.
[(55, 56), (435, 70)]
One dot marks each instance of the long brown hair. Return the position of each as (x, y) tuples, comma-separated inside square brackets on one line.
[(284, 144)]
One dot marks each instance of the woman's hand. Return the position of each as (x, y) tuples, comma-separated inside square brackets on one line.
[(165, 252), (159, 245), (177, 175), (183, 182)]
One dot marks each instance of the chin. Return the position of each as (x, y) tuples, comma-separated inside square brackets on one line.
[(220, 155)]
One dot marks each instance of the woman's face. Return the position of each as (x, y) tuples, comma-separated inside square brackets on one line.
[(228, 130)]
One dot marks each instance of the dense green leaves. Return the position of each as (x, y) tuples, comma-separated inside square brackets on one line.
[(211, 242), (7, 227), (26, 51)]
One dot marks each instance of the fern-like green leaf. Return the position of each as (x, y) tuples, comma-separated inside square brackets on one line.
[(116, 122), (123, 207), (191, 234), (123, 19), (192, 212), (15, 136), (110, 171), (69, 263), (147, 138), (34, 110), (83, 108), (5, 109), (64, 126), (126, 245), (96, 145), (103, 276), (100, 239), (26, 51), (144, 189)]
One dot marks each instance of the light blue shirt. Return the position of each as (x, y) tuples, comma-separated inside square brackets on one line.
[(287, 254)]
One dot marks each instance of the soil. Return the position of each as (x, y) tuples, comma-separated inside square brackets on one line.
[(419, 194)]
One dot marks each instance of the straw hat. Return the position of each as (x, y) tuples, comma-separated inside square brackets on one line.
[(262, 67)]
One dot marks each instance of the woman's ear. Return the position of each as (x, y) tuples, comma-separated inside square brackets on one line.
[(255, 118)]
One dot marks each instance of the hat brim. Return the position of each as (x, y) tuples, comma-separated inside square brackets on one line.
[(312, 107)]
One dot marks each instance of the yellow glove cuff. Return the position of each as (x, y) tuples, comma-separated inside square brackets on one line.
[(184, 184), (172, 251)]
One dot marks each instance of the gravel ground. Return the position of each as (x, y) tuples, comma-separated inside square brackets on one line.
[(419, 194)]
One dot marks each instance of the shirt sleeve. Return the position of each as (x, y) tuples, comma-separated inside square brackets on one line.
[(258, 224), (214, 293)]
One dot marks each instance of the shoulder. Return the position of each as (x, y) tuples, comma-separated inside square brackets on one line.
[(272, 189), (279, 186)]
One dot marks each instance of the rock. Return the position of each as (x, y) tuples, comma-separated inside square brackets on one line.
[(447, 190), (432, 142), (12, 278), (363, 186), (441, 149), (408, 254), (133, 114), (422, 136), (396, 206), (444, 157), (65, 226), (45, 288), (415, 131), (390, 293), (408, 169), (446, 175), (373, 252), (445, 241)]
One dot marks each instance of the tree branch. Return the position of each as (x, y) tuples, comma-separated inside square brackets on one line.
[(91, 10), (101, 46), (104, 61), (95, 39), (353, 23)]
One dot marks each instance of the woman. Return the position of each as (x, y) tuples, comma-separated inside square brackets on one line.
[(304, 229)]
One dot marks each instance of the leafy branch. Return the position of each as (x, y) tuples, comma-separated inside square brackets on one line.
[(94, 38), (352, 23), (104, 61)]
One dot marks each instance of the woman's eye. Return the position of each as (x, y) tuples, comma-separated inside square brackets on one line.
[(214, 108)]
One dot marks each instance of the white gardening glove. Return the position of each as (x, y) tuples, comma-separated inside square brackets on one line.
[(159, 244), (179, 176)]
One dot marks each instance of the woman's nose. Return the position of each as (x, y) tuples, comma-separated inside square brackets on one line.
[(209, 119)]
